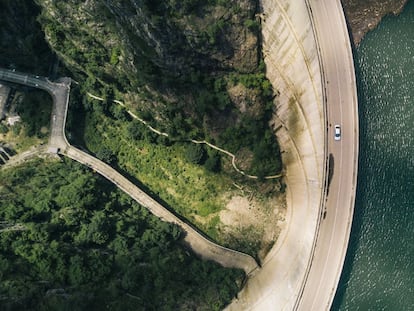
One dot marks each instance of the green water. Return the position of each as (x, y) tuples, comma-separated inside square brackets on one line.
[(379, 268)]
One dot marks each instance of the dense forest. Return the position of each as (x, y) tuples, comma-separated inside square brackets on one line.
[(69, 240)]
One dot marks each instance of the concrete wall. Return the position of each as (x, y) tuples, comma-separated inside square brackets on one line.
[(291, 57)]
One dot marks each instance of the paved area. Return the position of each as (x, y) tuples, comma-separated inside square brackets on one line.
[(342, 109), (198, 243), (24, 156), (60, 94)]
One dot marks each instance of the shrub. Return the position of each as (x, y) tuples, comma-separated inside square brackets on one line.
[(213, 163), (3, 128), (195, 153)]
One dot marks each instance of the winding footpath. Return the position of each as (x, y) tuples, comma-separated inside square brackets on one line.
[(203, 142), (59, 91)]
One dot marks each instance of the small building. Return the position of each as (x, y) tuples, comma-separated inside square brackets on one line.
[(13, 120)]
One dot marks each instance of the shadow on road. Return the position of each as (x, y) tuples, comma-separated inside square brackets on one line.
[(359, 210)]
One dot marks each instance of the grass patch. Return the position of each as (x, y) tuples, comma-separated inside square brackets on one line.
[(187, 188)]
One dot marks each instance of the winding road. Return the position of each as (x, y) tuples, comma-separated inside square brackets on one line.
[(59, 91)]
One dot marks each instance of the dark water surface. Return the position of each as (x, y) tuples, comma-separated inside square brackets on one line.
[(379, 268)]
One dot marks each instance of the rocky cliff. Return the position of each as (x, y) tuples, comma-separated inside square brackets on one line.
[(192, 66), (365, 15)]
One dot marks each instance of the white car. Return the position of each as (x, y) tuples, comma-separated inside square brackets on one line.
[(337, 132)]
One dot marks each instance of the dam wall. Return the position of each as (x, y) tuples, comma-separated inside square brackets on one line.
[(292, 65)]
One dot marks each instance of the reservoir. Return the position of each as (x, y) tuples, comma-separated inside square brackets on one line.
[(379, 266)]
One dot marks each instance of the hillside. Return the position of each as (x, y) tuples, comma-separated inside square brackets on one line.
[(192, 69)]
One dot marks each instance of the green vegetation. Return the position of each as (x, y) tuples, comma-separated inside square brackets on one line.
[(3, 128), (84, 52), (35, 110), (179, 8), (195, 153), (162, 167), (70, 241), (253, 132), (186, 60)]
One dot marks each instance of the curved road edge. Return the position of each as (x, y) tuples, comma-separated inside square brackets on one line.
[(339, 86)]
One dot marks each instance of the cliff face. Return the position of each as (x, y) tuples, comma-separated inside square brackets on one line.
[(20, 35), (193, 65), (153, 41), (365, 15)]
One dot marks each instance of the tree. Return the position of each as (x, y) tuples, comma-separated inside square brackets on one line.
[(135, 130), (163, 140), (78, 275), (195, 153), (3, 128), (106, 155), (213, 163), (98, 228), (119, 113)]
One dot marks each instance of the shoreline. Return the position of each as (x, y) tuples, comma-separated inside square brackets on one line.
[(364, 16)]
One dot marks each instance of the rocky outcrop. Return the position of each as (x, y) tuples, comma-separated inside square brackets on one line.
[(181, 63), (365, 15)]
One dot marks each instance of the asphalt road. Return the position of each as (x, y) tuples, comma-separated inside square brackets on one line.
[(60, 94), (198, 243), (342, 109)]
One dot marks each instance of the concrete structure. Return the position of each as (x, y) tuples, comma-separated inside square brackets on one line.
[(53, 150), (309, 62), (4, 151), (3, 158), (12, 120)]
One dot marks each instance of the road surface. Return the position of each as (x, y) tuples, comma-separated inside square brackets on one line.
[(198, 243), (60, 94), (342, 109)]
